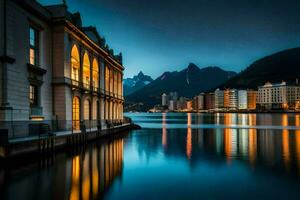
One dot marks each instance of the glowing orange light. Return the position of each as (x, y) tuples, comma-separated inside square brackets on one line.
[(297, 137), (189, 143), (227, 143), (74, 193), (252, 146), (285, 141)]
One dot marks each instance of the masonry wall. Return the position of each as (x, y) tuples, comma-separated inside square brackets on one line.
[(18, 23)]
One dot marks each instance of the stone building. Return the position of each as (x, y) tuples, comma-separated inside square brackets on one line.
[(242, 99), (55, 71), (209, 101), (233, 99), (219, 99), (198, 102), (278, 96), (251, 99)]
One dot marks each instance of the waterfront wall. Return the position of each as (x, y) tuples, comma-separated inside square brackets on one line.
[(48, 144)]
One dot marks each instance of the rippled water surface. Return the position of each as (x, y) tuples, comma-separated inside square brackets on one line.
[(174, 156)]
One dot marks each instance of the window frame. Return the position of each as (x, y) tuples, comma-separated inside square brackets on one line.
[(35, 46), (33, 95)]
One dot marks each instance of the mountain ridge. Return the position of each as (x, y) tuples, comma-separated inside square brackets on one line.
[(188, 82), (281, 66), (136, 82)]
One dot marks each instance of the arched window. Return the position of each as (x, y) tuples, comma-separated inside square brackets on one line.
[(86, 71), (107, 78), (87, 110), (119, 84), (95, 75), (76, 113), (111, 80), (115, 81), (75, 63)]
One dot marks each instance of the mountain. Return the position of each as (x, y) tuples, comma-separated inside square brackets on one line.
[(137, 82), (284, 65), (188, 83)]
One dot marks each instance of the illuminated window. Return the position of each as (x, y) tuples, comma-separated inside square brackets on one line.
[(33, 51), (107, 78), (86, 71), (95, 74), (87, 110), (75, 64), (120, 84), (111, 79), (33, 91), (115, 82), (76, 113)]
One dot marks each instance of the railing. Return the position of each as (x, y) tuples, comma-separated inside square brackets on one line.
[(86, 86), (36, 111), (95, 89), (23, 129), (75, 83)]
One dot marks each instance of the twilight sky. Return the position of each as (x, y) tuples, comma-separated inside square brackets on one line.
[(165, 35)]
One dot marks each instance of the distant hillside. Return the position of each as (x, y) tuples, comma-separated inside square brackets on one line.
[(284, 65), (137, 82), (188, 82)]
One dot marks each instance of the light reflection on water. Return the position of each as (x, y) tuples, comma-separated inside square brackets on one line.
[(172, 158), (87, 174)]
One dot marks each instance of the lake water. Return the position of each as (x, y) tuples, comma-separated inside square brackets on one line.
[(174, 156)]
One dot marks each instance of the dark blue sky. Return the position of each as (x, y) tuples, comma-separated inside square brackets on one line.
[(165, 35)]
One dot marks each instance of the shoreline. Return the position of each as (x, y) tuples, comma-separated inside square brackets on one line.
[(49, 144), (232, 111)]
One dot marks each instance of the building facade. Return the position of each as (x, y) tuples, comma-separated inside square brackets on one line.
[(233, 99), (209, 101), (55, 71), (251, 99), (164, 99), (242, 99), (198, 102), (271, 96), (226, 99), (278, 96), (219, 99), (172, 105)]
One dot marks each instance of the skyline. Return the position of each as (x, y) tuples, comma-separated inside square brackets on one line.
[(230, 35)]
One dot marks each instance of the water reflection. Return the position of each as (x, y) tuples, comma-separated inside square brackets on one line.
[(216, 120), (86, 175), (164, 131), (189, 145), (212, 163), (271, 147)]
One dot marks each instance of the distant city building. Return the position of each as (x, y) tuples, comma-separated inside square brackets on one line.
[(233, 99), (198, 102), (181, 104), (226, 98), (189, 105), (242, 99), (164, 99), (219, 99), (251, 99), (172, 105), (269, 96), (209, 101), (293, 96), (278, 96)]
